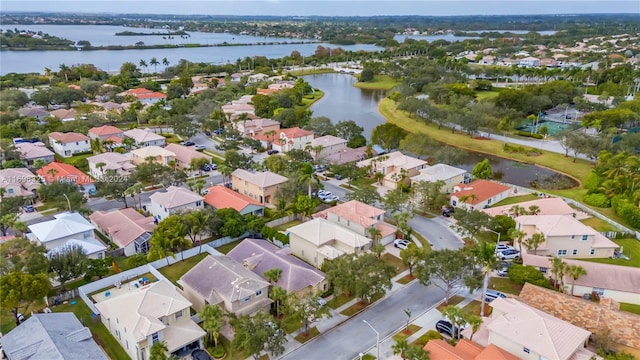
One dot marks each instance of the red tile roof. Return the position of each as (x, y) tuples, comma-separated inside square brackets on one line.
[(482, 189), (105, 130), (221, 197), (68, 137), (63, 172)]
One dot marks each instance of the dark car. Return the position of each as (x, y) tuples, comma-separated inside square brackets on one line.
[(338, 177), (448, 211), (208, 133), (188, 143), (29, 208), (445, 327), (272, 151), (218, 131)]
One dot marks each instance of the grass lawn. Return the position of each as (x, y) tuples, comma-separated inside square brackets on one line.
[(101, 335), (453, 301), (474, 308), (310, 72), (632, 308), (515, 200), (79, 161), (289, 324), (228, 247), (598, 224), (403, 334), (285, 226), (175, 271), (382, 82), (7, 320), (368, 357), (172, 139), (395, 262), (358, 306), (423, 241), (630, 247), (424, 339), (68, 286), (405, 279), (480, 95), (303, 338), (504, 285), (339, 300)]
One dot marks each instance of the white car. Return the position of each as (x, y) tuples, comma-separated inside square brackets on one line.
[(503, 247), (509, 254), (330, 198), (401, 243), (200, 147)]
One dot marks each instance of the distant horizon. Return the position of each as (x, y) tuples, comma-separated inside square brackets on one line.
[(327, 8)]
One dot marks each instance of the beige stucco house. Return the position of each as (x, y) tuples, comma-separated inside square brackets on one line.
[(565, 237), (184, 155), (175, 200), (220, 280), (395, 166), (261, 186), (19, 182), (155, 153), (318, 240), (330, 145), (142, 316), (450, 175)]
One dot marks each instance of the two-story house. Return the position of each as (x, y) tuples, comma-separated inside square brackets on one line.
[(220, 280), (174, 200), (478, 194), (30, 153), (360, 218), (99, 164), (396, 167), (144, 138), (328, 146), (145, 315), (67, 229), (19, 182), (153, 153), (318, 240), (184, 155), (221, 197), (449, 175), (61, 172), (256, 126), (261, 186), (106, 132), (35, 112), (565, 237), (145, 96), (68, 144), (291, 138)]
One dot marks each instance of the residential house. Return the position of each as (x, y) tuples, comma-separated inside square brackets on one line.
[(256, 126), (65, 115), (449, 175), (360, 218), (465, 350), (221, 197), (328, 145), (289, 139), (105, 132), (126, 227), (261, 186), (487, 60), (155, 154), (52, 336), (184, 155), (396, 167), (622, 327), (144, 138), (236, 77), (318, 240), (34, 112), (530, 334), (478, 194), (236, 109), (145, 96), (298, 277), (99, 164), (565, 237), (19, 182), (620, 283), (256, 78), (68, 228), (61, 172), (545, 206), (221, 280), (174, 200), (347, 155), (68, 144), (144, 315), (30, 153), (529, 61), (266, 91)]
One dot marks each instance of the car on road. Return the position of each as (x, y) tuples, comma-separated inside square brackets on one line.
[(218, 131), (28, 208), (188, 143), (509, 254), (331, 198), (200, 147), (503, 247), (445, 327), (272, 151), (491, 295), (338, 177), (209, 167), (448, 211), (320, 168), (401, 243), (323, 194), (208, 133)]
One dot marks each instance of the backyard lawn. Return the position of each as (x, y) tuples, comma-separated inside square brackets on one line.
[(285, 226), (515, 200), (474, 308), (504, 285), (630, 247), (598, 224), (228, 247), (632, 308), (175, 271)]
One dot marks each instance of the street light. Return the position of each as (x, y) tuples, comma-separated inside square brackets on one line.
[(377, 338), (68, 202), (495, 232)]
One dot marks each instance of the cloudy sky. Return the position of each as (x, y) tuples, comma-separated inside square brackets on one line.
[(329, 7)]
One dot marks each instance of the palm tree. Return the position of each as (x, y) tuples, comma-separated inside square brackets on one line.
[(517, 210), (474, 322), (270, 134), (456, 316), (155, 64), (96, 146), (517, 236), (128, 143), (143, 64), (278, 295), (558, 269), (273, 275), (133, 190), (108, 145), (159, 351), (165, 62), (308, 173), (575, 272), (212, 322), (197, 221), (159, 248), (379, 177), (101, 166), (226, 172), (534, 242), (374, 233), (534, 210), (485, 254), (64, 69), (2, 192), (400, 347)]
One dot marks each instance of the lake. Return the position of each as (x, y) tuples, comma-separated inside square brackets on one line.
[(342, 101)]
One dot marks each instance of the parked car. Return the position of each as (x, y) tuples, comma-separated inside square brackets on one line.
[(503, 247), (209, 167), (188, 143), (448, 211), (28, 208), (338, 177), (508, 254), (493, 294), (200, 147), (401, 243), (322, 194), (445, 327), (331, 198), (272, 151), (320, 168), (208, 133), (503, 272), (218, 131)]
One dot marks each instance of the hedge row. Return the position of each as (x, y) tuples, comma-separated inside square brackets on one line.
[(626, 209)]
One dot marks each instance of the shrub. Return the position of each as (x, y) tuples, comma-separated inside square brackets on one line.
[(529, 134), (626, 210), (523, 273), (217, 352), (597, 200), (432, 335)]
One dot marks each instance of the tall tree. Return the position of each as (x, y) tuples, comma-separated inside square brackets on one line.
[(308, 174), (534, 242), (471, 222), (482, 170), (258, 333), (273, 275), (68, 262), (212, 322), (388, 136), (485, 256), (159, 351), (575, 272), (22, 255), (559, 269), (19, 290), (307, 309), (453, 268), (278, 295), (457, 318)]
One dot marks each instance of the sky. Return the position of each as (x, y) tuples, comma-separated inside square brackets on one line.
[(329, 7)]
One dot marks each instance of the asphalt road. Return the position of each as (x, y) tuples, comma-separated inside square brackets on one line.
[(354, 336), (437, 232)]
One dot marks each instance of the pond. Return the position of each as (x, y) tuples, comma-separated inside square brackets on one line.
[(343, 101)]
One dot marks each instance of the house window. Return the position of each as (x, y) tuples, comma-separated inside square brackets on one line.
[(526, 350), (259, 292), (348, 222), (9, 191), (179, 314), (155, 337), (543, 270), (77, 143), (585, 237), (488, 201), (574, 252), (198, 203), (592, 252), (127, 341), (245, 299), (599, 291), (562, 252)]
